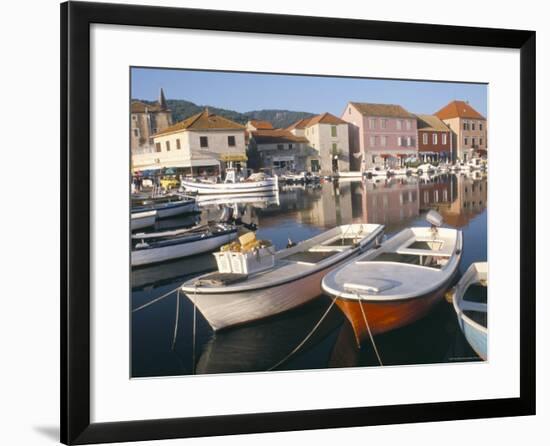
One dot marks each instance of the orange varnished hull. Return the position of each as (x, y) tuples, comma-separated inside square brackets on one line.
[(386, 316)]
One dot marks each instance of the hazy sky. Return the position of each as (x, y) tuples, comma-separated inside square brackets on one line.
[(246, 92)]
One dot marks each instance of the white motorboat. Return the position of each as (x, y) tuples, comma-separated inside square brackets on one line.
[(166, 206), (271, 282), (350, 175), (155, 247), (470, 304), (426, 168), (398, 283), (378, 171), (141, 220), (255, 183)]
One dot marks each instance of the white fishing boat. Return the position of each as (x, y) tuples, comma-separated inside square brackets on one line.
[(255, 183), (398, 283), (356, 175), (166, 206), (254, 285), (261, 199), (378, 172), (402, 172), (155, 247), (426, 168), (470, 304), (141, 220)]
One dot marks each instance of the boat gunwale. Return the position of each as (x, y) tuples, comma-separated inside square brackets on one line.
[(344, 256), (458, 297), (180, 240)]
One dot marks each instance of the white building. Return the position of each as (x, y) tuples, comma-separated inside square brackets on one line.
[(203, 144)]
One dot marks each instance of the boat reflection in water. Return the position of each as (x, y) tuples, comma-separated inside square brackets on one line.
[(300, 213)]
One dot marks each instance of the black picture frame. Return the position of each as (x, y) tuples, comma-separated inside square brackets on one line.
[(76, 18)]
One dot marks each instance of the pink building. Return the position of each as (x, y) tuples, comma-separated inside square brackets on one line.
[(380, 134)]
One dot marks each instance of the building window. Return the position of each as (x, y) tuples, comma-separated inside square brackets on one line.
[(383, 123), (434, 138), (372, 141), (333, 131), (465, 126), (443, 138), (376, 141), (473, 142), (204, 141), (409, 124), (473, 126), (409, 141), (334, 148), (480, 126), (231, 141), (399, 124), (372, 123), (425, 138), (157, 146), (280, 147), (136, 133), (383, 140), (374, 161), (480, 141), (167, 146), (290, 147), (399, 141), (465, 141), (178, 144)]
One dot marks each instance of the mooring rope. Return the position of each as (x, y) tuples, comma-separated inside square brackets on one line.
[(177, 319), (368, 329), (301, 344), (151, 302)]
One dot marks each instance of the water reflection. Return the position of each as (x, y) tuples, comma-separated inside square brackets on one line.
[(299, 212)]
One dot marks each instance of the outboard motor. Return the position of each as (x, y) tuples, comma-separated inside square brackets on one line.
[(227, 214), (435, 219)]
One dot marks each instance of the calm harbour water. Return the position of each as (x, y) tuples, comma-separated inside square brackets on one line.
[(299, 213)]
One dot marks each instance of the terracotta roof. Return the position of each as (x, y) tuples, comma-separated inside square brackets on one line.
[(430, 122), (276, 136), (383, 110), (261, 125), (139, 107), (458, 109), (203, 121), (325, 118), (301, 124)]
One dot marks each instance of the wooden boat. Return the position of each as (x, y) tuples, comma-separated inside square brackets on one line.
[(166, 206), (155, 247), (292, 279), (398, 283), (470, 304), (255, 183), (141, 220)]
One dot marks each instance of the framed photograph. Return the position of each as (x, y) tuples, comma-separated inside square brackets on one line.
[(275, 223)]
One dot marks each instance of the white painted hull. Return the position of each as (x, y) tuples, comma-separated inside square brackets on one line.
[(231, 309), (231, 188), (141, 220), (161, 254), (176, 210)]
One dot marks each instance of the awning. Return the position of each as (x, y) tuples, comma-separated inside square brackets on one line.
[(233, 157)]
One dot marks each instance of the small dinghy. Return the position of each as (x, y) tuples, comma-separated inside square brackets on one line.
[(141, 220), (155, 247), (256, 283), (398, 283), (470, 304), (166, 205)]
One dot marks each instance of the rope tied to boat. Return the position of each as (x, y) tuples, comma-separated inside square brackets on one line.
[(368, 329), (157, 299), (301, 344)]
